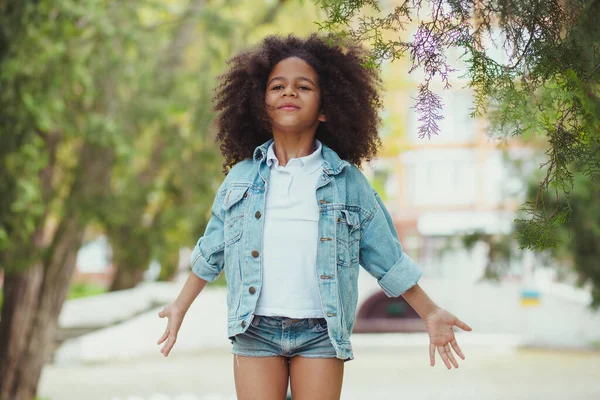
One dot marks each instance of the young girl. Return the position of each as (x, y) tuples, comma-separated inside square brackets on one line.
[(295, 217)]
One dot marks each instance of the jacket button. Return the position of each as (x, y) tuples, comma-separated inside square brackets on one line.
[(252, 290), (330, 314), (254, 253), (246, 195), (325, 239), (257, 215), (243, 324)]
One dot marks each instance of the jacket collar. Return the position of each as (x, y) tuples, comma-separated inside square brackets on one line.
[(332, 163)]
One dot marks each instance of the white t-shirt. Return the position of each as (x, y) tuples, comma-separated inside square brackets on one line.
[(289, 283)]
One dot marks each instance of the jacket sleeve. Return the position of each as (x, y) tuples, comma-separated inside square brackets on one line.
[(208, 255), (382, 256)]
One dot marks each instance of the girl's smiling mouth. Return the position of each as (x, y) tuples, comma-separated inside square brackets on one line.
[(288, 107)]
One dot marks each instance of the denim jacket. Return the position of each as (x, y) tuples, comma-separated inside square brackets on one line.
[(354, 229)]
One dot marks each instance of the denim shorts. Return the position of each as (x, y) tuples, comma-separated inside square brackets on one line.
[(281, 336)]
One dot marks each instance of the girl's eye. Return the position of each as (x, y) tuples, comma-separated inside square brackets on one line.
[(279, 87)]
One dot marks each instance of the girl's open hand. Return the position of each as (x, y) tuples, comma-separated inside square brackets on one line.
[(441, 336), (174, 320)]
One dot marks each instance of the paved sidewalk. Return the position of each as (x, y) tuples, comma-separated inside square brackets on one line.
[(205, 326), (374, 374), (123, 362)]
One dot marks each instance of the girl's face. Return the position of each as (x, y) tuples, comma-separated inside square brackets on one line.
[(293, 96)]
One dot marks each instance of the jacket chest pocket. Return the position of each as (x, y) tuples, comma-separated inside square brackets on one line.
[(347, 237), (234, 205)]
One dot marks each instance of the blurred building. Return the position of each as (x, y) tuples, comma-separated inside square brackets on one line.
[(447, 185)]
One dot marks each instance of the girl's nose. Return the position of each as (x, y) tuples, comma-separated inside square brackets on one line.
[(289, 92)]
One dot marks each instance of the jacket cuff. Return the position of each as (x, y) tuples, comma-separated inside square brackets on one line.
[(201, 267), (402, 276)]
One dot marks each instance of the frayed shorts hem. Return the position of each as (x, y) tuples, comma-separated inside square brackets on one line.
[(263, 355)]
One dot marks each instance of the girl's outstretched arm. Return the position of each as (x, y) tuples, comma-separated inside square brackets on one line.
[(439, 323), (176, 310)]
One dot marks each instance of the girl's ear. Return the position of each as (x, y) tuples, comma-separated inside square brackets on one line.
[(322, 117)]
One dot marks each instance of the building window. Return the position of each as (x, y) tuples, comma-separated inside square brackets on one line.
[(443, 179)]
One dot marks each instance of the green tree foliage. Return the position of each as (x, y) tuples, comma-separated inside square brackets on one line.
[(500, 252), (60, 125), (88, 78), (545, 83), (135, 80), (578, 237), (163, 180)]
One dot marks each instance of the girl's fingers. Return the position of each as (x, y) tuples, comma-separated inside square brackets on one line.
[(169, 345), (444, 356), (164, 336), (451, 356), (431, 354), (457, 349), (170, 333), (165, 349)]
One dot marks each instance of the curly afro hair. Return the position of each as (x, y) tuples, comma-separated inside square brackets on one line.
[(349, 97)]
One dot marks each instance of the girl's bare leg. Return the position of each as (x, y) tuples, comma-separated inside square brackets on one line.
[(316, 378), (260, 378)]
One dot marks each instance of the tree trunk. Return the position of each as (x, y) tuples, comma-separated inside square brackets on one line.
[(130, 262), (33, 298), (127, 278), (169, 265), (18, 313), (32, 303)]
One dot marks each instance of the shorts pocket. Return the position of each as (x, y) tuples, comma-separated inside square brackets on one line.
[(319, 324)]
